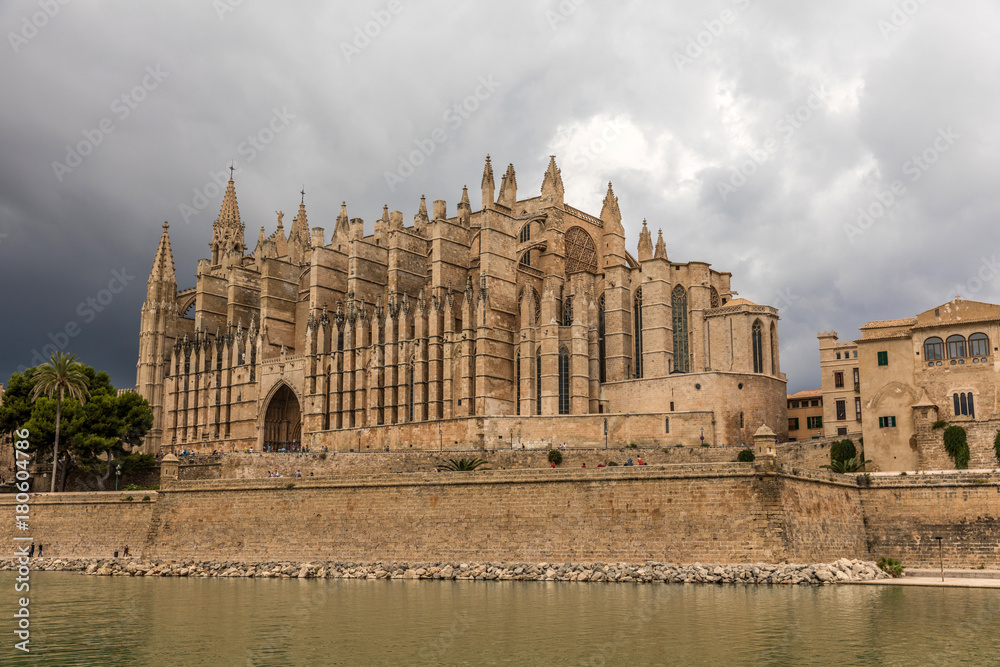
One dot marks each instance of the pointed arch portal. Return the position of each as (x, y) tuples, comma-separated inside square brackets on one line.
[(283, 421)]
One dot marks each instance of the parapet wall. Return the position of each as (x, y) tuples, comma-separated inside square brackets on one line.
[(713, 512)]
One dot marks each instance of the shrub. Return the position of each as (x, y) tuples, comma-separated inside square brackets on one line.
[(957, 446), (746, 456), (127, 499), (290, 485), (891, 566), (939, 424), (996, 445), (632, 445), (146, 499), (555, 456), (322, 456), (865, 480), (464, 465), (612, 463), (841, 450)]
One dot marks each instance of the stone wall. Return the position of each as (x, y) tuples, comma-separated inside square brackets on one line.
[(979, 435), (904, 513), (93, 525)]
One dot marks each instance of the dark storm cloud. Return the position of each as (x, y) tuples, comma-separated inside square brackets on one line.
[(752, 133)]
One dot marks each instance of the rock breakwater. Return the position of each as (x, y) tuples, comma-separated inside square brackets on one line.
[(843, 570)]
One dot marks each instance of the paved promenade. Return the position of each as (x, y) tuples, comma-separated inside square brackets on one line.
[(930, 577)]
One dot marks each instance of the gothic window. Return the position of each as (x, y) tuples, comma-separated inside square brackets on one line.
[(678, 304), (537, 304), (581, 254), (933, 348), (538, 382), (563, 380), (567, 314), (526, 258), (525, 233), (666, 424), (964, 404), (774, 349), (956, 347), (758, 348), (517, 381), (410, 403), (715, 298), (979, 345), (602, 361), (637, 322)]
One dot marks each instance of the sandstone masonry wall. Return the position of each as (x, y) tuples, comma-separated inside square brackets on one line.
[(92, 525)]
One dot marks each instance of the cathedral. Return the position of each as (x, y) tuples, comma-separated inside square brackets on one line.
[(523, 324)]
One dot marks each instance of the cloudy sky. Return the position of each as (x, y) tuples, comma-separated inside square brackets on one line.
[(836, 157)]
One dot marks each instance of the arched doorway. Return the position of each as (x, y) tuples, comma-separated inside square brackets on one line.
[(283, 421)]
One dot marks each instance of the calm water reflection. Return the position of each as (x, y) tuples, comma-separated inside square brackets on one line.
[(78, 620)]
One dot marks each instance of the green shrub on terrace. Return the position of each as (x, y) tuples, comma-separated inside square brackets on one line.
[(956, 445), (939, 424), (464, 465), (841, 450), (891, 566), (746, 456), (853, 464), (996, 445), (555, 456)]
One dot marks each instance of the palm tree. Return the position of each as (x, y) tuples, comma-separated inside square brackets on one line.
[(61, 375)]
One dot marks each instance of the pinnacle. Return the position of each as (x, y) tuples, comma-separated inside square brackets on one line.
[(163, 263)]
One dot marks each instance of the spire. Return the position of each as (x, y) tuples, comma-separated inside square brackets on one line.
[(421, 219), (163, 263), (385, 214), (488, 187), (508, 188), (645, 250), (300, 225), (261, 238), (342, 227), (552, 184), (661, 247), (465, 208), (465, 196), (227, 232), (611, 216)]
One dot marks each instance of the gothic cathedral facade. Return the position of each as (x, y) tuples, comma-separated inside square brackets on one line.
[(524, 324)]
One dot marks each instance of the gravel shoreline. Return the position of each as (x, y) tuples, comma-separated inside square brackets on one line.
[(842, 570)]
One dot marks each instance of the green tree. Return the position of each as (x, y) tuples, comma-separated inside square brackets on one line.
[(15, 411), (841, 450), (61, 375), (464, 464), (95, 437), (957, 446)]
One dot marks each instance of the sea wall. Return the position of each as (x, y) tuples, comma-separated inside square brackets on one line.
[(85, 525), (905, 513)]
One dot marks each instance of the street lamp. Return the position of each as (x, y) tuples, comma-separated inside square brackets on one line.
[(440, 439), (118, 473), (511, 431), (605, 433), (941, 554), (703, 435)]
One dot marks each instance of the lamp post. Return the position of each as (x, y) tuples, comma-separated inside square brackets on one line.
[(440, 439), (941, 554), (359, 441), (605, 433), (703, 435), (118, 473), (511, 431)]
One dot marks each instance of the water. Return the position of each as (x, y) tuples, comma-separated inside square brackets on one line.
[(80, 620)]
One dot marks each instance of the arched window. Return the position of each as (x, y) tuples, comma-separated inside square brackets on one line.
[(581, 253), (964, 404), (933, 348), (601, 358), (979, 345), (714, 298), (563, 380), (567, 314), (538, 382), (666, 424), (679, 306), (956, 346), (517, 381), (774, 349), (637, 330), (525, 235), (526, 258), (758, 350)]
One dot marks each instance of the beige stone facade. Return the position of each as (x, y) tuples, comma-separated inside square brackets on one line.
[(841, 383), (805, 415), (525, 323), (939, 365)]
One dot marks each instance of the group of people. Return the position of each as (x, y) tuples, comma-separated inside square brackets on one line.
[(271, 449), (31, 551), (297, 473), (639, 462)]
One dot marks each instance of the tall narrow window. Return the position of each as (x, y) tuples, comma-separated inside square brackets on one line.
[(526, 258), (563, 381), (538, 382), (972, 409), (525, 233), (841, 410), (601, 358), (567, 314), (517, 382), (857, 408), (410, 402), (637, 321), (758, 350), (678, 302), (666, 424), (774, 349), (838, 379)]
